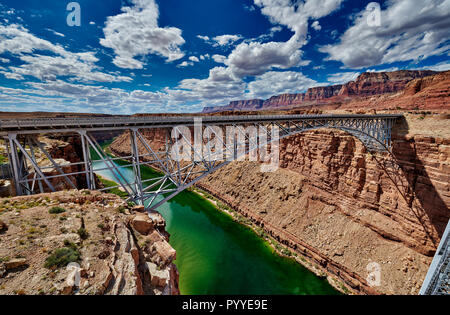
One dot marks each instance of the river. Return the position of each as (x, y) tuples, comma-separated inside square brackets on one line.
[(216, 255)]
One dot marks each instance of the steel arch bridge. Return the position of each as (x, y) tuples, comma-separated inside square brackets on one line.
[(238, 136)]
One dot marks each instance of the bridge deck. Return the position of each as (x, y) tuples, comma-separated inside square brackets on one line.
[(29, 126)]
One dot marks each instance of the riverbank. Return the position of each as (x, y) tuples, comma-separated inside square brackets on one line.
[(278, 247)]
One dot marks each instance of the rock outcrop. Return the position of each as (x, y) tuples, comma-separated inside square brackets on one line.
[(365, 86), (82, 242)]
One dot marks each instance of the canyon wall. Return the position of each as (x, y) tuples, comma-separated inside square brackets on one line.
[(363, 89), (344, 208)]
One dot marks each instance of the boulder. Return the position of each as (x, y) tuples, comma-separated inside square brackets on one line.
[(15, 263), (84, 273), (67, 290), (158, 277), (2, 270), (154, 237), (3, 226), (142, 223), (162, 253), (157, 219), (139, 208)]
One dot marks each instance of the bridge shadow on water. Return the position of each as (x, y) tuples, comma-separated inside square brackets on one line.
[(410, 177)]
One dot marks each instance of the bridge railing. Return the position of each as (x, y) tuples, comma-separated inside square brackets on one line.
[(155, 120)]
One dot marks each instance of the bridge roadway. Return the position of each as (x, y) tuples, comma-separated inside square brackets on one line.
[(43, 125)]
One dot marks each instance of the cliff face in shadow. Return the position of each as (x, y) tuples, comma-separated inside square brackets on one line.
[(410, 187)]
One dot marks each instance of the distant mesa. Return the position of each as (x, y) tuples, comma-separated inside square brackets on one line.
[(358, 93)]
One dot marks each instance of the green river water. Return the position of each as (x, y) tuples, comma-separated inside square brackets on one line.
[(216, 255)]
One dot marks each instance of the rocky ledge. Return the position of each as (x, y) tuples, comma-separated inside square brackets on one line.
[(83, 242)]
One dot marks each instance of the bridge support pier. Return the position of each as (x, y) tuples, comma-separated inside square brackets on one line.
[(136, 167), (90, 177), (15, 162)]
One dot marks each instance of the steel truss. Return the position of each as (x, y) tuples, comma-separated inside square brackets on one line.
[(437, 280), (175, 175)]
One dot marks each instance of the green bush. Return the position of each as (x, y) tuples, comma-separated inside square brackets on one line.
[(56, 210), (69, 244), (61, 257)]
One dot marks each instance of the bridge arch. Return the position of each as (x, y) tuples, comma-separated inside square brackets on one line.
[(374, 131), (370, 142)]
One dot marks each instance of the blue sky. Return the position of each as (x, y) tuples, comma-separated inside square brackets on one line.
[(134, 56)]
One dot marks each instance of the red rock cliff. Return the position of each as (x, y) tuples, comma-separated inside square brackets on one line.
[(367, 84), (342, 208)]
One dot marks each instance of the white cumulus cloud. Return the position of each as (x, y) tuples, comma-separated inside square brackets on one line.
[(408, 30), (255, 58), (225, 40), (194, 59), (279, 82), (18, 41), (342, 77), (316, 25), (135, 32)]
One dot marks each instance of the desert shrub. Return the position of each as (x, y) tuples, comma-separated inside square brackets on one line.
[(70, 244), (56, 210), (61, 257), (83, 233)]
